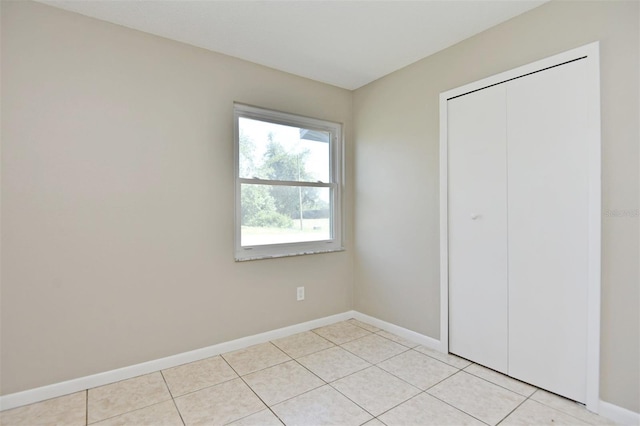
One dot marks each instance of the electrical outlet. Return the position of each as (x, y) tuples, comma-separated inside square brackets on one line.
[(300, 293)]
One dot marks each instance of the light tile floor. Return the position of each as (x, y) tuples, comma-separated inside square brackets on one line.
[(349, 373)]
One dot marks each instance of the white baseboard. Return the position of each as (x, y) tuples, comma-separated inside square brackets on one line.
[(620, 415), (30, 396), (427, 341)]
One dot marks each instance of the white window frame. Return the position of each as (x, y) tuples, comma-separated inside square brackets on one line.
[(335, 243)]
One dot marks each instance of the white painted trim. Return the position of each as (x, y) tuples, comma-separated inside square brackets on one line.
[(620, 415), (594, 233), (591, 52), (76, 385), (421, 339), (444, 225)]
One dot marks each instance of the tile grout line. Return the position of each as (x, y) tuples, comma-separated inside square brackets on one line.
[(178, 410), (173, 399), (499, 385), (371, 333), (421, 390), (307, 391), (448, 354), (456, 408), (310, 353), (164, 379), (205, 387), (447, 403), (261, 400), (375, 363), (358, 405), (511, 412), (399, 404), (126, 412), (253, 391), (369, 365), (360, 322), (348, 341), (438, 360), (86, 407), (132, 411), (560, 410), (261, 369)]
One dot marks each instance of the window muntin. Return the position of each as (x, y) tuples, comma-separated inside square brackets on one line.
[(287, 184)]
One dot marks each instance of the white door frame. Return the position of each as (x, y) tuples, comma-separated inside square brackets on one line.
[(591, 54)]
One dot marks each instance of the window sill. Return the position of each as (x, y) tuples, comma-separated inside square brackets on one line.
[(275, 256)]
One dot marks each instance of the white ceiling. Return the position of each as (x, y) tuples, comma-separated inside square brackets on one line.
[(344, 43)]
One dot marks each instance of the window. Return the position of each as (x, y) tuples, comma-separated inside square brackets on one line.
[(288, 182)]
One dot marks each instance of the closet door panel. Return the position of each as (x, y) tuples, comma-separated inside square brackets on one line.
[(477, 227), (547, 229)]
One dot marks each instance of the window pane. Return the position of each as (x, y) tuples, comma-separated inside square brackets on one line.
[(279, 152), (271, 214)]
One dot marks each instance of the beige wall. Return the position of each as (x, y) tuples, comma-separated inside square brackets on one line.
[(117, 200), (396, 166)]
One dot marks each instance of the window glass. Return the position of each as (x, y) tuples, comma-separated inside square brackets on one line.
[(276, 151), (271, 214)]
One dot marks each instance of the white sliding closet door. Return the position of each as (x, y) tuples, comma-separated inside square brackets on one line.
[(478, 227), (548, 196)]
